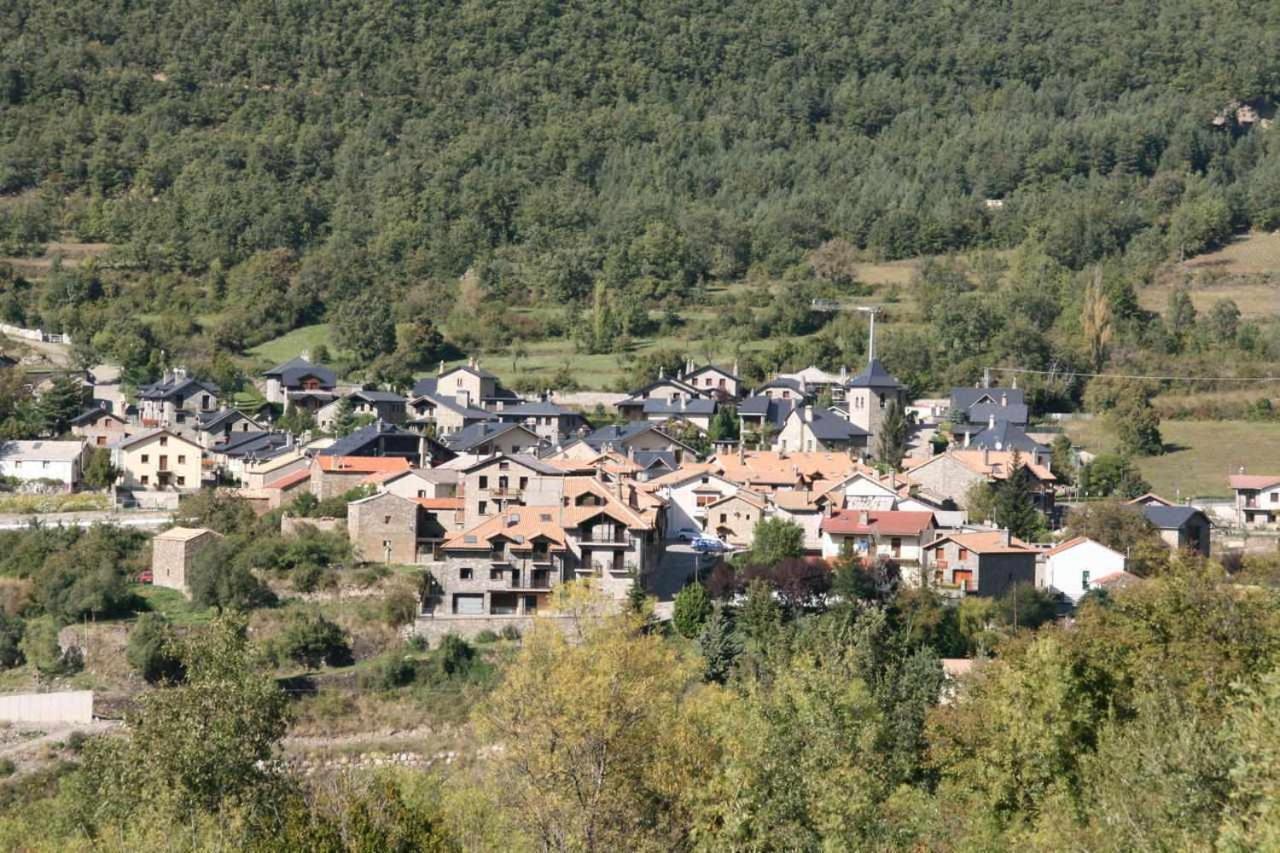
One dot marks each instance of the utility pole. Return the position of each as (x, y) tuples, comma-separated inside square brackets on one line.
[(871, 337)]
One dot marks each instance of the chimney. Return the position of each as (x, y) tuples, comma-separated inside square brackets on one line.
[(844, 374), (863, 518), (986, 458), (1015, 382), (742, 451), (1004, 537), (471, 361), (735, 367), (991, 421), (1004, 399), (662, 372), (440, 370), (966, 439)]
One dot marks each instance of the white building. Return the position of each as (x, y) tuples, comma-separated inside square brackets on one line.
[(689, 491), (1073, 567), (29, 461)]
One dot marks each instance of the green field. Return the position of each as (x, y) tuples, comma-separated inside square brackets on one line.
[(291, 344), (1200, 454)]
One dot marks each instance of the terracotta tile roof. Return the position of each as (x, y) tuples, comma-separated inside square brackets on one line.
[(986, 542), (878, 522), (1066, 546), (520, 527), (440, 503), (798, 501), (990, 463), (771, 468), (362, 464), (757, 501), (1253, 481), (291, 479)]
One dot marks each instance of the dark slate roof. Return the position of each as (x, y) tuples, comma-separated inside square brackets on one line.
[(783, 382), (452, 405), (635, 396), (376, 396), (617, 434), (1006, 436), (179, 388), (774, 411), (261, 445), (696, 406), (464, 440), (536, 409), (1014, 413), (829, 426), (475, 371), (967, 398), (709, 367), (425, 386), (212, 420), (91, 416), (293, 371), (648, 459), (1170, 517), (875, 376), (351, 445)]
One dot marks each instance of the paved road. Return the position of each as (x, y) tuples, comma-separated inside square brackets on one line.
[(87, 519), (677, 568)]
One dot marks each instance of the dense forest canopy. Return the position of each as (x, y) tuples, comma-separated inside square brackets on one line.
[(277, 159)]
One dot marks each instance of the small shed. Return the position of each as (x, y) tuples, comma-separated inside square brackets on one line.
[(174, 550)]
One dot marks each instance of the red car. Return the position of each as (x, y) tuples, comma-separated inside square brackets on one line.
[(145, 576)]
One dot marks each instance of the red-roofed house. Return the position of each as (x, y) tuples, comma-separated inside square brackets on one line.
[(1257, 498), (985, 563), (893, 534), (334, 475)]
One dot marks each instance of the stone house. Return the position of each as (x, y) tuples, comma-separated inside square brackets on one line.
[(388, 528), (173, 552), (386, 406), (158, 460), (551, 423), (715, 382), (986, 563), (492, 437), (384, 439), (422, 483), (176, 400), (950, 475), (495, 485), (1183, 528), (100, 427), (469, 385), (220, 426), (298, 377), (812, 429), (733, 519), (664, 390), (336, 475), (444, 416)]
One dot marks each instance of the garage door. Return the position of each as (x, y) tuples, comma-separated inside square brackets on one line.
[(469, 604)]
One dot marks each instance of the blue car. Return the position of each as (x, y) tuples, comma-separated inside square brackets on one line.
[(709, 545)]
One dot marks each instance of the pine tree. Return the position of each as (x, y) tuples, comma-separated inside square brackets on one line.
[(1014, 504), (692, 607), (719, 647), (891, 443), (66, 398)]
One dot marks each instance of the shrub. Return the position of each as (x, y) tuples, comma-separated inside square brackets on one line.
[(11, 631), (7, 767), (152, 650), (41, 649), (396, 671), (418, 643), (400, 607), (76, 740), (310, 639), (510, 632), (454, 657), (692, 607), (486, 637)]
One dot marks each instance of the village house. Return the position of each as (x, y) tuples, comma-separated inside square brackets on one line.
[(733, 519), (810, 428), (229, 458), (551, 423), (670, 391), (176, 400), (422, 483), (332, 475), (386, 406), (1001, 436), (715, 382), (219, 426), (383, 439), (768, 471), (158, 460), (492, 437), (1257, 499), (804, 508), (54, 462), (761, 417), (1076, 566), (980, 405), (441, 415), (636, 437), (689, 492), (814, 382), (100, 427), (388, 528), (470, 385), (871, 535), (987, 563), (949, 476), (1182, 528), (496, 484), (782, 388), (173, 552), (298, 378), (698, 411)]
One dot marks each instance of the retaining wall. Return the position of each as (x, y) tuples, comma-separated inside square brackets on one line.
[(72, 706)]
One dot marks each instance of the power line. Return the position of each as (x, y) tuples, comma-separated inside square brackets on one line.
[(1067, 373)]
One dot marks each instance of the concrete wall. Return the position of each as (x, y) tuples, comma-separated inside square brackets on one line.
[(71, 706)]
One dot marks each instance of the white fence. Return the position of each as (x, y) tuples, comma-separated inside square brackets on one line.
[(72, 706), (34, 334)]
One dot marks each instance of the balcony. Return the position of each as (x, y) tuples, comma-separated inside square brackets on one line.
[(600, 568), (606, 537)]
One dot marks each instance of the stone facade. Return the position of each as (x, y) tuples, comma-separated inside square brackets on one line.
[(174, 551), (383, 528)]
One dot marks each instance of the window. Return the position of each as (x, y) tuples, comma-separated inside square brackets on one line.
[(145, 479), (880, 397), (1275, 497), (1084, 580), (963, 554), (484, 482), (504, 466), (495, 574), (145, 459), (484, 507), (164, 441), (422, 493), (386, 519), (895, 546), (182, 481), (464, 574), (706, 500), (524, 483), (182, 460), (724, 517)]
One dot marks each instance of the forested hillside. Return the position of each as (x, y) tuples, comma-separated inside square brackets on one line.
[(258, 166)]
